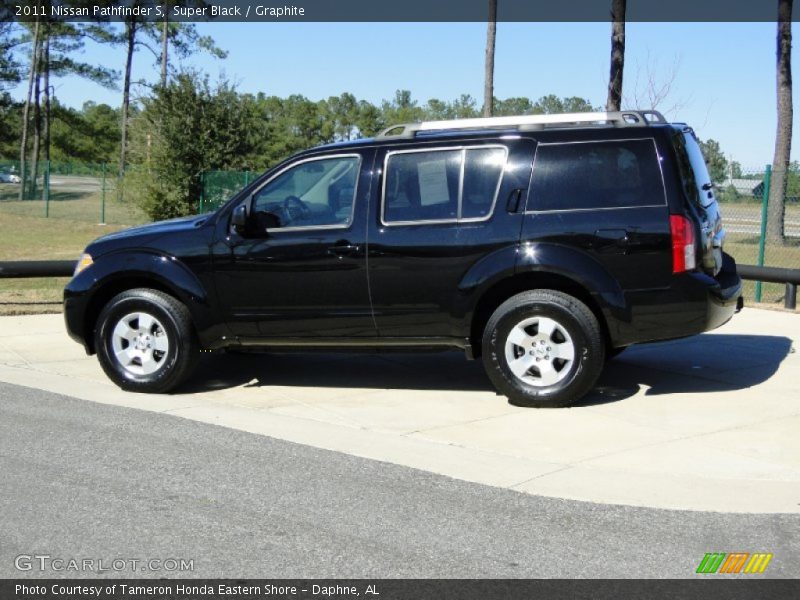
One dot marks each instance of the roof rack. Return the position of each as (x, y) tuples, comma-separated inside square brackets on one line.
[(625, 118)]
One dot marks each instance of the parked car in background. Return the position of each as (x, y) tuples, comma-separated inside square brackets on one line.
[(9, 177), (542, 244)]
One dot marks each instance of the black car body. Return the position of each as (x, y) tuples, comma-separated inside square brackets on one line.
[(618, 215)]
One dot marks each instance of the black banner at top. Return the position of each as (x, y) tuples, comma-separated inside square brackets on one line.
[(386, 10)]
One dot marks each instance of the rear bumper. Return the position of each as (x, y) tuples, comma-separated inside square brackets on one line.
[(694, 303), (725, 296)]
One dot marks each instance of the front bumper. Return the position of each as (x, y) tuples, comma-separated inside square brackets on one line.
[(75, 318)]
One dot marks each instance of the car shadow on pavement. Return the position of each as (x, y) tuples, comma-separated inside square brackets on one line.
[(704, 363), (382, 371)]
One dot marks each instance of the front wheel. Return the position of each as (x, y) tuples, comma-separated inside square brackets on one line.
[(145, 341), (543, 349)]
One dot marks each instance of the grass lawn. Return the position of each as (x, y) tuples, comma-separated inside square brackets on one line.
[(25, 234), (745, 250), (75, 203)]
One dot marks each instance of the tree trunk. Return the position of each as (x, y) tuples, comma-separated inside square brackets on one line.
[(130, 30), (23, 146), (164, 47), (46, 66), (37, 122), (488, 75), (614, 101), (783, 138)]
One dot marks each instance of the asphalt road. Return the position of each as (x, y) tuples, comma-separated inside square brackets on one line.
[(83, 480)]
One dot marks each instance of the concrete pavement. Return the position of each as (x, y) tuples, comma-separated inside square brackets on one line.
[(708, 423), (85, 480)]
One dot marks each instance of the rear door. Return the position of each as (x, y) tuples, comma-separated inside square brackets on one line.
[(440, 209), (606, 199)]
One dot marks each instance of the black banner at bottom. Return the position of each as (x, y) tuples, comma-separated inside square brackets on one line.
[(394, 589)]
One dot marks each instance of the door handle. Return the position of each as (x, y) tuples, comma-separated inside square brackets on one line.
[(514, 198), (344, 249), (611, 240)]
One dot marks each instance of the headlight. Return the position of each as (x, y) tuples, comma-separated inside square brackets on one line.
[(84, 261)]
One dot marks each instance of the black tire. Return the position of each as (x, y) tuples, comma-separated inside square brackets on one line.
[(171, 319), (576, 326)]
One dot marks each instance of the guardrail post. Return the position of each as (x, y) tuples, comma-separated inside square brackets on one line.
[(763, 229), (763, 235), (790, 300)]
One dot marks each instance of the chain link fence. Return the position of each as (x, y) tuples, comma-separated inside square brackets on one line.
[(65, 190), (219, 186), (743, 197)]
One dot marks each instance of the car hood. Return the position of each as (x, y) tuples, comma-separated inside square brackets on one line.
[(143, 235)]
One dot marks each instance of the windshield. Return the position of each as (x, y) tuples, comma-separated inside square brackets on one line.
[(692, 165)]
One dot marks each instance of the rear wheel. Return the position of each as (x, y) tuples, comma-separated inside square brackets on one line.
[(145, 341), (543, 348)]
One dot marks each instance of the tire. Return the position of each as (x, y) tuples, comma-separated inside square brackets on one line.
[(531, 330), (145, 341)]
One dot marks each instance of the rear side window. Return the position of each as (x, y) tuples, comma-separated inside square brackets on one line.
[(592, 175), (442, 185), (483, 168)]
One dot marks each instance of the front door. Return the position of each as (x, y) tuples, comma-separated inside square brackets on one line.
[(298, 270)]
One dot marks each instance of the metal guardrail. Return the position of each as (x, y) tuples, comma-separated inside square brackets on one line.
[(18, 269), (65, 268), (791, 277)]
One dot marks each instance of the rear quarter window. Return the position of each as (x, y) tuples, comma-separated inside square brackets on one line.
[(596, 175)]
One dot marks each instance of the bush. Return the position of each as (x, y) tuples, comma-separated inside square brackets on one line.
[(184, 129)]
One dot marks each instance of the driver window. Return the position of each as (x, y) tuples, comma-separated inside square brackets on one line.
[(312, 194)]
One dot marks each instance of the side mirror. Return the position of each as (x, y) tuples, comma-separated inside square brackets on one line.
[(239, 218)]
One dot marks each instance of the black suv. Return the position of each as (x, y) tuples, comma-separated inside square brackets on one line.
[(543, 244)]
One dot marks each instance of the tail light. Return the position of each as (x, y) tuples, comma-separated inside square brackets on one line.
[(683, 244)]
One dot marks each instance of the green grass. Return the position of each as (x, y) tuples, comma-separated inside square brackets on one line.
[(744, 248), (31, 296), (25, 234), (32, 237), (84, 207)]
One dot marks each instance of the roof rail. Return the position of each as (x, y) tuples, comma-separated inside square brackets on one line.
[(625, 118)]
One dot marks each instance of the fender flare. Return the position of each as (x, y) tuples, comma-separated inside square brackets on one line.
[(576, 265), (110, 272), (548, 260)]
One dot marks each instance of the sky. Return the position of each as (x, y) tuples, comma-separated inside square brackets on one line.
[(722, 74)]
